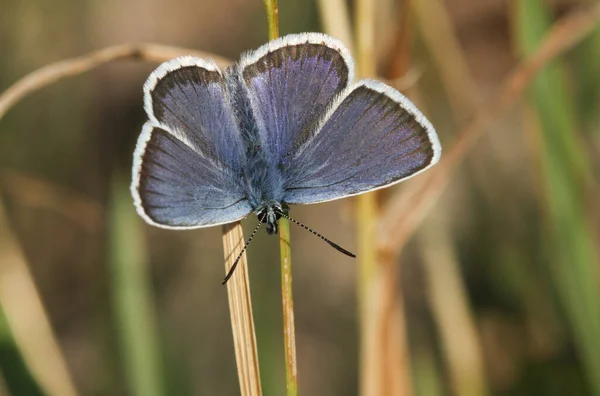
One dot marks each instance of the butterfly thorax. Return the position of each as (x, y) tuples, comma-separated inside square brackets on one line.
[(262, 182), (261, 177)]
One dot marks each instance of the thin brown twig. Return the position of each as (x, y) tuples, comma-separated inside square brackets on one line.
[(402, 215), (54, 72), (34, 192)]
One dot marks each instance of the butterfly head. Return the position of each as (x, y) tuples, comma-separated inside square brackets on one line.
[(269, 214)]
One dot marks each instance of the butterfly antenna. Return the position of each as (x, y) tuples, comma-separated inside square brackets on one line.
[(237, 260), (333, 245)]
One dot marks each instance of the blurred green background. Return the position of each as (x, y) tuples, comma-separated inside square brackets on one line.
[(500, 285)]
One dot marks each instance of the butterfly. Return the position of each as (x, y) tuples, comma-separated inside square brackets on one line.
[(285, 125)]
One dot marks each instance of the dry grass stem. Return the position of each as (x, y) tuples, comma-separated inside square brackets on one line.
[(397, 356), (27, 318), (400, 54), (336, 21), (440, 38), (240, 309), (407, 81), (450, 309), (368, 282), (289, 328), (404, 213), (54, 72), (391, 335), (383, 364), (365, 38), (395, 364)]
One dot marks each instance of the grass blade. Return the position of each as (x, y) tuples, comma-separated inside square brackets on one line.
[(405, 212), (571, 240), (15, 375), (289, 332), (25, 315), (272, 10), (370, 365), (132, 295), (451, 311), (384, 368), (240, 309)]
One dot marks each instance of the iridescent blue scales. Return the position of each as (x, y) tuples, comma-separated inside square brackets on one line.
[(284, 125)]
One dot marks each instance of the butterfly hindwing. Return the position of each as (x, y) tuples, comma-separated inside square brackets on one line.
[(371, 138), (175, 187)]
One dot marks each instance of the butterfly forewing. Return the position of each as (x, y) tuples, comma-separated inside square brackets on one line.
[(188, 97), (371, 138), (190, 155), (291, 83)]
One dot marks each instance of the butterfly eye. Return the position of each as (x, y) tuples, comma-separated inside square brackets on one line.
[(262, 216)]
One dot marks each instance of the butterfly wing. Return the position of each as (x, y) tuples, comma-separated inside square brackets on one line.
[(291, 82), (372, 137), (189, 156)]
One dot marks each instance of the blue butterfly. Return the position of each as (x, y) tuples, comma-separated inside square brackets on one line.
[(285, 125)]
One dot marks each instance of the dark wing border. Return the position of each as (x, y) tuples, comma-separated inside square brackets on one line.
[(254, 56), (161, 71)]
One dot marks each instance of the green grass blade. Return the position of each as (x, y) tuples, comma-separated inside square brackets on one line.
[(289, 332), (565, 169), (13, 370), (132, 296), (586, 68)]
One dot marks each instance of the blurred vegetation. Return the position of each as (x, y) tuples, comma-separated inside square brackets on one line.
[(501, 289), (572, 251)]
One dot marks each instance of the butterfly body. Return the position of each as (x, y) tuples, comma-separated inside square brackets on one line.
[(262, 179), (285, 125)]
